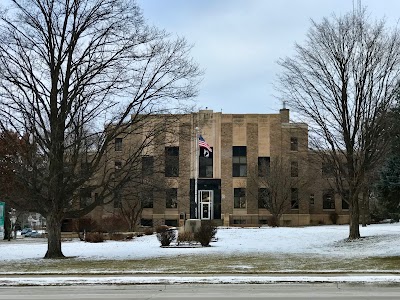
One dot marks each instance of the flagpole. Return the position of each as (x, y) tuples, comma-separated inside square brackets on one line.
[(196, 173)]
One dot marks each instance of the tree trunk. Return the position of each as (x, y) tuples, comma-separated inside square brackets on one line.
[(54, 237), (364, 208), (354, 218)]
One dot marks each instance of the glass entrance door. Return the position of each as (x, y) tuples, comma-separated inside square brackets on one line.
[(206, 200)]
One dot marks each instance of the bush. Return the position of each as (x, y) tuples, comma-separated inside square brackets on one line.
[(114, 223), (117, 237), (94, 237), (272, 221), (186, 237), (88, 225), (205, 233), (148, 231), (165, 235), (333, 216)]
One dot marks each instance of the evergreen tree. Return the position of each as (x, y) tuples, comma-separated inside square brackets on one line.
[(388, 186)]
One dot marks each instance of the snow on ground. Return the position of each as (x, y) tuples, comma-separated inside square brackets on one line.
[(379, 240)]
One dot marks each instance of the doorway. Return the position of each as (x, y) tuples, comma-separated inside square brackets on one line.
[(206, 204)]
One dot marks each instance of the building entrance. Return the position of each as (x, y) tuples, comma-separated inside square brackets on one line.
[(206, 203)]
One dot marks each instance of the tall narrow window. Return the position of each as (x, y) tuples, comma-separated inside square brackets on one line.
[(85, 197), (146, 198), (328, 199), (294, 169), (264, 165), (239, 161), (263, 198), (294, 144), (346, 200), (328, 170), (239, 195), (294, 198), (312, 199), (147, 165), (205, 163), (171, 200), (117, 165), (171, 161), (118, 144), (117, 198)]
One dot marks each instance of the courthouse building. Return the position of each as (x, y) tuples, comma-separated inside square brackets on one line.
[(243, 150)]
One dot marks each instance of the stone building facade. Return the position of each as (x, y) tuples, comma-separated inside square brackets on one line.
[(231, 179)]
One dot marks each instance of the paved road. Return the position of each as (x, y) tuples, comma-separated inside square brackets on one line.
[(205, 291)]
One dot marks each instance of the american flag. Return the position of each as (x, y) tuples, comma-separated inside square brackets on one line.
[(203, 143)]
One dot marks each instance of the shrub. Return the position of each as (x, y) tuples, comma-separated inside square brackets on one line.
[(272, 221), (185, 237), (333, 216), (94, 237), (114, 223), (117, 237), (148, 231), (165, 235), (205, 233), (88, 225)]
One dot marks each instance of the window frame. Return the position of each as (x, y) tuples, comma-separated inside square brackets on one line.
[(294, 169), (118, 144), (239, 161), (325, 194), (264, 166), (171, 195), (171, 161), (294, 198), (294, 143), (239, 194)]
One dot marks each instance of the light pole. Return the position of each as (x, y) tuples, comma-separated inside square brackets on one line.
[(196, 173)]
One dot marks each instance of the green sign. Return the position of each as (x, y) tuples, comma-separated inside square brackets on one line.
[(2, 212)]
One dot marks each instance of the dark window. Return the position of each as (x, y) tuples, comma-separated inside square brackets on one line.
[(146, 222), (239, 161), (118, 144), (147, 199), (147, 165), (171, 198), (263, 198), (173, 223), (117, 165), (239, 195), (312, 199), (346, 200), (294, 198), (328, 199), (85, 168), (239, 221), (205, 163), (328, 170), (264, 164), (294, 169), (171, 161), (294, 144), (117, 198), (85, 197)]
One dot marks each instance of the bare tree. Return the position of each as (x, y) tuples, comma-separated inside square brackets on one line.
[(279, 183), (343, 81), (68, 68)]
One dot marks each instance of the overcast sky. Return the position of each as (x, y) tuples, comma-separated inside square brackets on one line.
[(238, 42)]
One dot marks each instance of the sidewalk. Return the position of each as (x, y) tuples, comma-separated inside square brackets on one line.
[(46, 280)]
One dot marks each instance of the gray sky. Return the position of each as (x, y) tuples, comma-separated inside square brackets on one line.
[(238, 42)]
